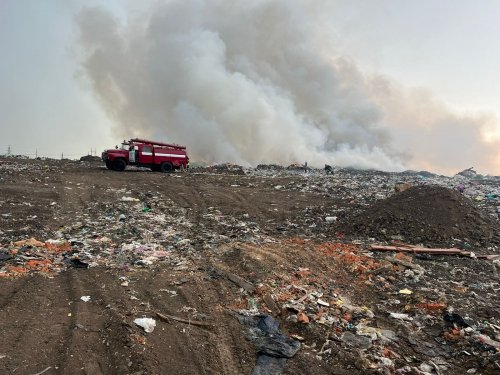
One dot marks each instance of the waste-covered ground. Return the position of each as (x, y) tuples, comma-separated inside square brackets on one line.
[(211, 261)]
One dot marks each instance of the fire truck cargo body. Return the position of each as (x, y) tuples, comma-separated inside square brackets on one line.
[(158, 156)]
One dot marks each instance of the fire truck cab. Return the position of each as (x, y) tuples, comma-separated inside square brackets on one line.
[(159, 156)]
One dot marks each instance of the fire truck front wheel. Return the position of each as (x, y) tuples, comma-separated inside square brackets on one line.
[(166, 167), (119, 165)]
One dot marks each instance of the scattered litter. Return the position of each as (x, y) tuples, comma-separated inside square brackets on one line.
[(85, 298), (322, 303), (401, 316), (148, 324), (172, 293), (130, 199)]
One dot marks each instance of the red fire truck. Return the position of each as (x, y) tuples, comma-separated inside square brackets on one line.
[(160, 157)]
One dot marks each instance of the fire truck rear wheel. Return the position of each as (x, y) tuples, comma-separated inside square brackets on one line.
[(119, 165), (166, 167)]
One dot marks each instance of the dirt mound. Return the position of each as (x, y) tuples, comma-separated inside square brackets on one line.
[(431, 215), (90, 158)]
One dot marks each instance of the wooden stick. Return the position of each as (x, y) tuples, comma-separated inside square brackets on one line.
[(167, 318), (41, 372), (416, 249)]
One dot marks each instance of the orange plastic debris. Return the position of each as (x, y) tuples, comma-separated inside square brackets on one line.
[(347, 317), (58, 247), (402, 256), (303, 272), (138, 338), (31, 242), (453, 335), (350, 255), (39, 265), (432, 306), (296, 241), (302, 318), (283, 297), (388, 353), (15, 270)]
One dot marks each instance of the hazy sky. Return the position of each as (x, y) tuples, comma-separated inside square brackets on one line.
[(430, 69)]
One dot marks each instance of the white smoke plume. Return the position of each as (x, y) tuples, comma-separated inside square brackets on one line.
[(242, 81), (438, 138)]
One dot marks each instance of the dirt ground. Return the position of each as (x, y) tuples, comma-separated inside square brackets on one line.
[(205, 248)]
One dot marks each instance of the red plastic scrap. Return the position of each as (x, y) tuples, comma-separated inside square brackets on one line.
[(303, 272), (388, 353), (53, 246), (13, 271), (302, 318), (39, 265), (31, 242), (453, 335), (349, 253), (58, 247)]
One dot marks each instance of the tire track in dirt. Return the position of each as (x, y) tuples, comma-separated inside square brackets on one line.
[(198, 350), (187, 357), (10, 290), (190, 198), (244, 203), (54, 326), (39, 299), (91, 346), (73, 196), (220, 335)]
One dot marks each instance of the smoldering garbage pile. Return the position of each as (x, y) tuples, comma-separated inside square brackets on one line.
[(223, 168), (431, 215)]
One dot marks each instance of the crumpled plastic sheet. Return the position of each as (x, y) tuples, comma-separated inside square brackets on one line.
[(273, 347)]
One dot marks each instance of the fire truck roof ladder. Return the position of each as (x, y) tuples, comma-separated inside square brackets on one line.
[(138, 140)]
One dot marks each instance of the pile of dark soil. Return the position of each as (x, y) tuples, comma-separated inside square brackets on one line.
[(432, 215), (90, 158)]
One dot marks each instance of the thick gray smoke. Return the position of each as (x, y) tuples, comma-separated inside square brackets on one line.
[(263, 81), (245, 82)]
